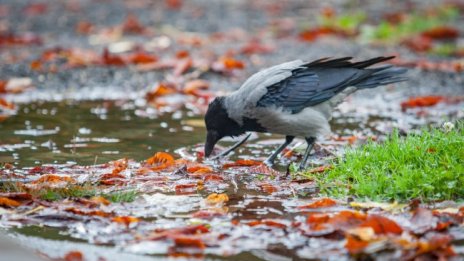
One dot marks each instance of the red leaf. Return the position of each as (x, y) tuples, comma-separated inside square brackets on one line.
[(256, 47), (132, 25), (322, 203), (186, 241), (268, 223), (382, 225), (418, 43), (355, 245), (74, 256), (312, 34), (242, 163), (441, 32), (35, 9), (422, 101)]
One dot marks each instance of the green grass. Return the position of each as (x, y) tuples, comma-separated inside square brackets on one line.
[(121, 196), (86, 190), (429, 166)]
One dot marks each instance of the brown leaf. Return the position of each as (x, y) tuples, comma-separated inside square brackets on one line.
[(382, 225), (6, 202), (423, 220), (441, 33), (422, 101), (269, 223), (74, 256), (50, 178), (99, 213), (132, 25), (242, 163), (322, 203), (355, 245), (126, 220)]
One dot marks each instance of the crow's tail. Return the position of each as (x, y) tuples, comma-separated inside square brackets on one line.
[(382, 76)]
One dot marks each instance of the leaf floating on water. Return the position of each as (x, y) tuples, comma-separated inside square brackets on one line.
[(242, 163), (322, 203)]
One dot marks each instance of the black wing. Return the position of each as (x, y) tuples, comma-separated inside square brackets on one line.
[(320, 80)]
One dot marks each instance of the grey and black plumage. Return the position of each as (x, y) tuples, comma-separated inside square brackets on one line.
[(293, 99)]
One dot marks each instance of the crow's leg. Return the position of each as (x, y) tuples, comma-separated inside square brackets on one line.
[(310, 142), (270, 161)]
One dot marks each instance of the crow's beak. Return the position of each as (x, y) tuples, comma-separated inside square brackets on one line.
[(211, 139)]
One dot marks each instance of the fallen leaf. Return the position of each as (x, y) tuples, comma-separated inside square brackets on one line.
[(99, 213), (217, 199), (418, 43), (355, 245), (126, 220), (423, 220), (132, 25), (269, 223), (242, 163), (50, 178), (322, 203), (160, 161), (100, 200), (191, 87), (382, 225), (186, 241), (74, 256), (441, 33), (421, 101), (6, 202)]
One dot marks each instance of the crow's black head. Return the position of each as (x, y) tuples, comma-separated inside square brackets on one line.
[(219, 125)]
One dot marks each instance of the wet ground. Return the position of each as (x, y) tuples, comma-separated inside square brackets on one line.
[(93, 115)]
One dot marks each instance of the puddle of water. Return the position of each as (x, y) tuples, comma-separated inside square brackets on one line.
[(91, 132)]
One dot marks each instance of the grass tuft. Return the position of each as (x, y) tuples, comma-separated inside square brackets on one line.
[(429, 166)]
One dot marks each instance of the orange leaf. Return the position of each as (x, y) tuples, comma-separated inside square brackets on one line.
[(231, 63), (322, 203), (100, 200), (217, 199), (268, 188), (242, 163), (268, 223), (186, 241), (441, 32), (88, 213), (74, 256), (161, 160), (6, 202), (382, 225), (126, 220), (50, 178), (355, 245), (160, 90), (421, 101), (6, 105), (142, 58), (192, 86)]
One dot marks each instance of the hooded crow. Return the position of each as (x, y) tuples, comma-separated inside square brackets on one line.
[(293, 99)]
